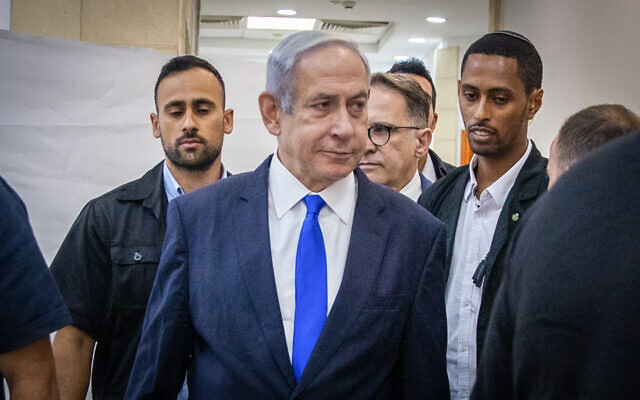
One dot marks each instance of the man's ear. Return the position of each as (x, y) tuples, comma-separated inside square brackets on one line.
[(155, 125), (227, 122), (423, 137), (271, 112), (535, 102)]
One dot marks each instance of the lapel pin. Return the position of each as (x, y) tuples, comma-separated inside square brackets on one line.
[(515, 217), (137, 256)]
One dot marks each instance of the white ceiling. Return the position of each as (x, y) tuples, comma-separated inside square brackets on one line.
[(467, 19)]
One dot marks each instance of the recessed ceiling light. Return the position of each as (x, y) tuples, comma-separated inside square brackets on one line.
[(290, 24), (286, 12), (436, 20), (401, 58), (417, 40)]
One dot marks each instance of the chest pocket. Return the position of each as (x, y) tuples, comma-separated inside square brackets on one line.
[(133, 272)]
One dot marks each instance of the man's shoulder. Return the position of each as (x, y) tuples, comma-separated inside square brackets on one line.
[(137, 189), (404, 211), (442, 188)]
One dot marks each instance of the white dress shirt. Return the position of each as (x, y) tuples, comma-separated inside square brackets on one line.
[(429, 171), (413, 189), (476, 225), (286, 215)]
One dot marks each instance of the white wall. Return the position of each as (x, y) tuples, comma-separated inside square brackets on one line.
[(590, 52), (5, 14), (74, 123)]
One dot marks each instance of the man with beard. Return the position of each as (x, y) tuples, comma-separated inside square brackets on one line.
[(107, 264), (499, 93)]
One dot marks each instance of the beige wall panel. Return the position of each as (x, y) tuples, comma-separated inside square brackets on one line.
[(48, 18), (447, 90), (447, 127), (169, 50), (446, 149), (447, 62), (148, 23)]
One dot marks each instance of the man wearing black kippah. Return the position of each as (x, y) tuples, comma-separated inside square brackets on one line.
[(481, 203)]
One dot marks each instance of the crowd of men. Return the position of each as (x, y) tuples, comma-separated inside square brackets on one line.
[(311, 278)]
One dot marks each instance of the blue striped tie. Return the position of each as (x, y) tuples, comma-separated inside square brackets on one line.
[(311, 286)]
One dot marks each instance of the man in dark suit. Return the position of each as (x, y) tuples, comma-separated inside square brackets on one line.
[(398, 134), (566, 321), (480, 204), (302, 279), (430, 164)]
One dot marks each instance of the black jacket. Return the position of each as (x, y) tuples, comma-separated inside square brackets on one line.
[(442, 168), (444, 198), (565, 324)]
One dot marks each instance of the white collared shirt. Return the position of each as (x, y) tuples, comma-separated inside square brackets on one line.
[(476, 225), (413, 189), (286, 215), (172, 187), (429, 171)]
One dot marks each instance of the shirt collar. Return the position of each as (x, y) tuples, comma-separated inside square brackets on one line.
[(499, 190), (287, 191), (413, 189), (172, 187)]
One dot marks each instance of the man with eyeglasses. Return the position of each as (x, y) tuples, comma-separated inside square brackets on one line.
[(398, 134)]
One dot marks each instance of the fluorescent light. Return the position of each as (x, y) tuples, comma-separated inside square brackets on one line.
[(401, 58), (417, 40), (290, 24), (436, 20), (286, 12)]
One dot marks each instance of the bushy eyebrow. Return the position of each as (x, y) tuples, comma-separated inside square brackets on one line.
[(492, 90), (195, 103), (203, 101)]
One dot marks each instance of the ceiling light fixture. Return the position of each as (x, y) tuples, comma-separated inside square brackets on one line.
[(417, 40), (286, 12), (281, 23), (436, 20)]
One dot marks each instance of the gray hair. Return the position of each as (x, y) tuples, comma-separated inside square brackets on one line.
[(289, 51)]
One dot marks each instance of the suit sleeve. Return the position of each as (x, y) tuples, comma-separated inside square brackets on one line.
[(423, 369), (167, 334)]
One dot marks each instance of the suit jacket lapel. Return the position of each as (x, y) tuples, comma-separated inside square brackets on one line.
[(529, 184), (366, 249), (254, 254), (449, 214)]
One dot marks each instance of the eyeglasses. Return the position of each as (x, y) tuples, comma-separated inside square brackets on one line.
[(380, 134)]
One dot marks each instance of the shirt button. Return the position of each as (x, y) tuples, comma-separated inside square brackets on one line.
[(466, 303), (463, 349)]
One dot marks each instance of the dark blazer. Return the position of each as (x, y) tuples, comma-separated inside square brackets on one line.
[(424, 182), (444, 199), (214, 307), (566, 321), (441, 167)]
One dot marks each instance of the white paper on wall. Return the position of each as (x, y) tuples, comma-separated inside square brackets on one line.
[(74, 123)]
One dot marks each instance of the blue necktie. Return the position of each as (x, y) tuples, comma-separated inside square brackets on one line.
[(311, 286)]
